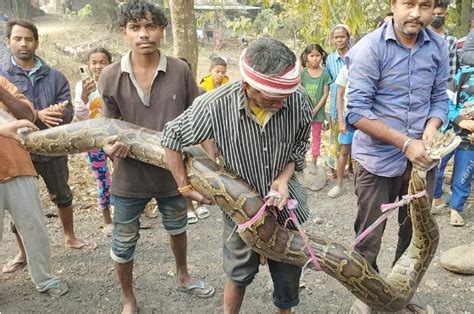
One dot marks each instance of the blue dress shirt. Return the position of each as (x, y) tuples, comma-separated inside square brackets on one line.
[(403, 87)]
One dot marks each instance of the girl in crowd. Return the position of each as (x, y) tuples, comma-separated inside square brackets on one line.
[(315, 79), (88, 105)]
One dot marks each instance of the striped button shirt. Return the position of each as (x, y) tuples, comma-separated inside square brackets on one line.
[(334, 63), (451, 41), (257, 153)]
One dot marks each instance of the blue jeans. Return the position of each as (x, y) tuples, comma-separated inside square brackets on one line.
[(462, 178), (440, 174), (126, 226)]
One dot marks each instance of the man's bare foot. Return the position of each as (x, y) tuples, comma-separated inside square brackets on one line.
[(130, 307), (80, 244)]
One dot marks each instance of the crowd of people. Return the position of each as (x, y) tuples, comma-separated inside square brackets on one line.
[(388, 98)]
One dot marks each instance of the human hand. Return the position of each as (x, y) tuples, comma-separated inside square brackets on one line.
[(50, 118), (195, 195), (88, 87), (429, 136), (115, 148), (281, 187), (10, 129), (471, 138), (342, 126), (60, 108), (467, 124), (417, 154)]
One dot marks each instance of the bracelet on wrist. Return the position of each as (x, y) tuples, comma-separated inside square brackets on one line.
[(185, 189), (406, 144)]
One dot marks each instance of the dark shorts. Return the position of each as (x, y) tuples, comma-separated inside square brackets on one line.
[(241, 264), (55, 174)]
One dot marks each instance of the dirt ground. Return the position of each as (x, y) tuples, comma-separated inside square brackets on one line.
[(91, 277)]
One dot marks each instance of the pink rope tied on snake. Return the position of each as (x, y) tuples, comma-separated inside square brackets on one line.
[(387, 211), (291, 204)]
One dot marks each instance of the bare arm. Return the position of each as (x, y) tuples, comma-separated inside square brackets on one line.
[(17, 107), (322, 101), (174, 159), (340, 109)]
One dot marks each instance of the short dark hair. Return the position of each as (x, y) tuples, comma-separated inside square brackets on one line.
[(135, 10), (389, 14), (269, 56), (22, 23), (441, 4), (100, 50), (216, 61)]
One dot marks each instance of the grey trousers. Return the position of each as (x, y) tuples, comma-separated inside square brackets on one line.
[(372, 191), (20, 196)]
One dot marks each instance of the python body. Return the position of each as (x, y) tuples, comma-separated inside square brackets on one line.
[(241, 202)]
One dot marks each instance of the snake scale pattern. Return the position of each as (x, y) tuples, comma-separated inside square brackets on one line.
[(240, 201)]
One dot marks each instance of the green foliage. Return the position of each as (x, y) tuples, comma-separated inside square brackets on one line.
[(83, 13), (305, 21)]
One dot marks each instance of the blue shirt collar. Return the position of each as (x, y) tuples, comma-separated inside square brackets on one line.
[(33, 72), (390, 34)]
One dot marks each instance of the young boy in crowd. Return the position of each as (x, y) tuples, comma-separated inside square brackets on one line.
[(217, 75)]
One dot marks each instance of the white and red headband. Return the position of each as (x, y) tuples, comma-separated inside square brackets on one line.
[(282, 84)]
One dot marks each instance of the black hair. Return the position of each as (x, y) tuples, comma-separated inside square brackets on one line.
[(100, 50), (216, 61), (22, 23), (309, 49), (269, 56), (389, 14), (441, 4), (136, 10)]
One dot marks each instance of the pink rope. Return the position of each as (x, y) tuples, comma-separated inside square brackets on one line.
[(300, 229), (387, 211), (260, 212), (291, 204)]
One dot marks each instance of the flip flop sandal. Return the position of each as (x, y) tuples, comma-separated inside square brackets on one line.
[(13, 265), (199, 290), (202, 212), (192, 218), (456, 218)]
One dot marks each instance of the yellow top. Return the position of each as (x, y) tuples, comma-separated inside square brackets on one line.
[(259, 113), (207, 84)]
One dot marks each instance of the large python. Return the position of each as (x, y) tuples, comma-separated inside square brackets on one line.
[(241, 202)]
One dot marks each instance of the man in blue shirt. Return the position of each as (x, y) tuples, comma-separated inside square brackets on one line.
[(49, 92), (397, 101)]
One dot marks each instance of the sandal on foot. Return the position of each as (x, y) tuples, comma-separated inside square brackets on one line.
[(83, 245), (58, 290), (336, 191), (14, 265), (192, 218), (199, 290), (456, 218), (202, 212)]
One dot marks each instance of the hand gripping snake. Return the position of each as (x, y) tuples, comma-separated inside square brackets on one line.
[(241, 202)]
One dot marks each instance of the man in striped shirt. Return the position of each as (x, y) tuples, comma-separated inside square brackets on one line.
[(261, 127)]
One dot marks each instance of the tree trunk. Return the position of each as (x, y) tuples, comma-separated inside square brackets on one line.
[(183, 24), (466, 16), (16, 8)]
